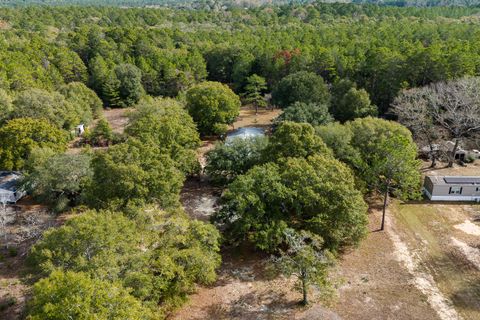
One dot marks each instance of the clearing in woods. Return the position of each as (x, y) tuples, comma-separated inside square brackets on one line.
[(423, 267)]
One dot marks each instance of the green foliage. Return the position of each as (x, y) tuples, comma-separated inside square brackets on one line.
[(228, 160), (229, 64), (158, 256), (84, 98), (128, 81), (338, 138), (167, 125), (57, 179), (102, 134), (52, 106), (131, 173), (349, 103), (302, 86), (212, 103), (317, 195), (70, 295), (305, 259), (186, 253), (102, 244), (70, 65), (6, 106), (18, 137), (254, 91), (291, 139), (387, 156), (312, 113)]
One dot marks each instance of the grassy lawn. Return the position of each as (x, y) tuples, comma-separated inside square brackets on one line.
[(429, 231)]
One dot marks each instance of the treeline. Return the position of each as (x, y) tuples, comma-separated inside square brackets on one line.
[(164, 51), (421, 3), (232, 3)]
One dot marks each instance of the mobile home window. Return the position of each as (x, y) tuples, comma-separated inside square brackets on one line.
[(455, 190)]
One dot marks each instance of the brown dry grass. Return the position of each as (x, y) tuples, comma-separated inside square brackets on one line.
[(471, 169), (14, 285), (248, 118), (117, 118), (429, 230)]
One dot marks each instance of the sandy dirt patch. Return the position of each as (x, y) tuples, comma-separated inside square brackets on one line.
[(469, 228), (248, 118), (26, 223), (471, 169), (117, 118), (199, 199), (243, 291), (472, 254)]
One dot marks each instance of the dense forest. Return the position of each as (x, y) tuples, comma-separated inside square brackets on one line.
[(337, 71), (382, 50), (234, 3)]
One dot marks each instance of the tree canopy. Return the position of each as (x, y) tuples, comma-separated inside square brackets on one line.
[(292, 139), (52, 106), (166, 124), (228, 160), (387, 158), (158, 256), (84, 98), (302, 86), (317, 194), (212, 105), (312, 113), (133, 173), (6, 106), (70, 295), (349, 103), (18, 137), (57, 179)]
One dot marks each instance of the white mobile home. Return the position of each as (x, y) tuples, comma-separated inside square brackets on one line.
[(443, 188)]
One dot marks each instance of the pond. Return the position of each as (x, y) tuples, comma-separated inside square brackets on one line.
[(245, 133)]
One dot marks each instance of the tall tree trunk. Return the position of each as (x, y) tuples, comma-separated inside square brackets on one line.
[(256, 108), (433, 155), (452, 156), (385, 200), (304, 289)]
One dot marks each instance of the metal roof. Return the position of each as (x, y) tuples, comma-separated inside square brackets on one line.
[(462, 180)]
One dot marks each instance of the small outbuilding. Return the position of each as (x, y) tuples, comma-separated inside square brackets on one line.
[(79, 130), (9, 191), (452, 188)]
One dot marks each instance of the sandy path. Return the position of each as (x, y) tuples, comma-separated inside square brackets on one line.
[(468, 227), (422, 280), (472, 254)]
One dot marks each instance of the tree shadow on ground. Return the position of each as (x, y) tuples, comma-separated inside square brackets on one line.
[(458, 278), (256, 305)]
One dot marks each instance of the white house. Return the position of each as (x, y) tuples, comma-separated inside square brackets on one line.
[(440, 188)]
